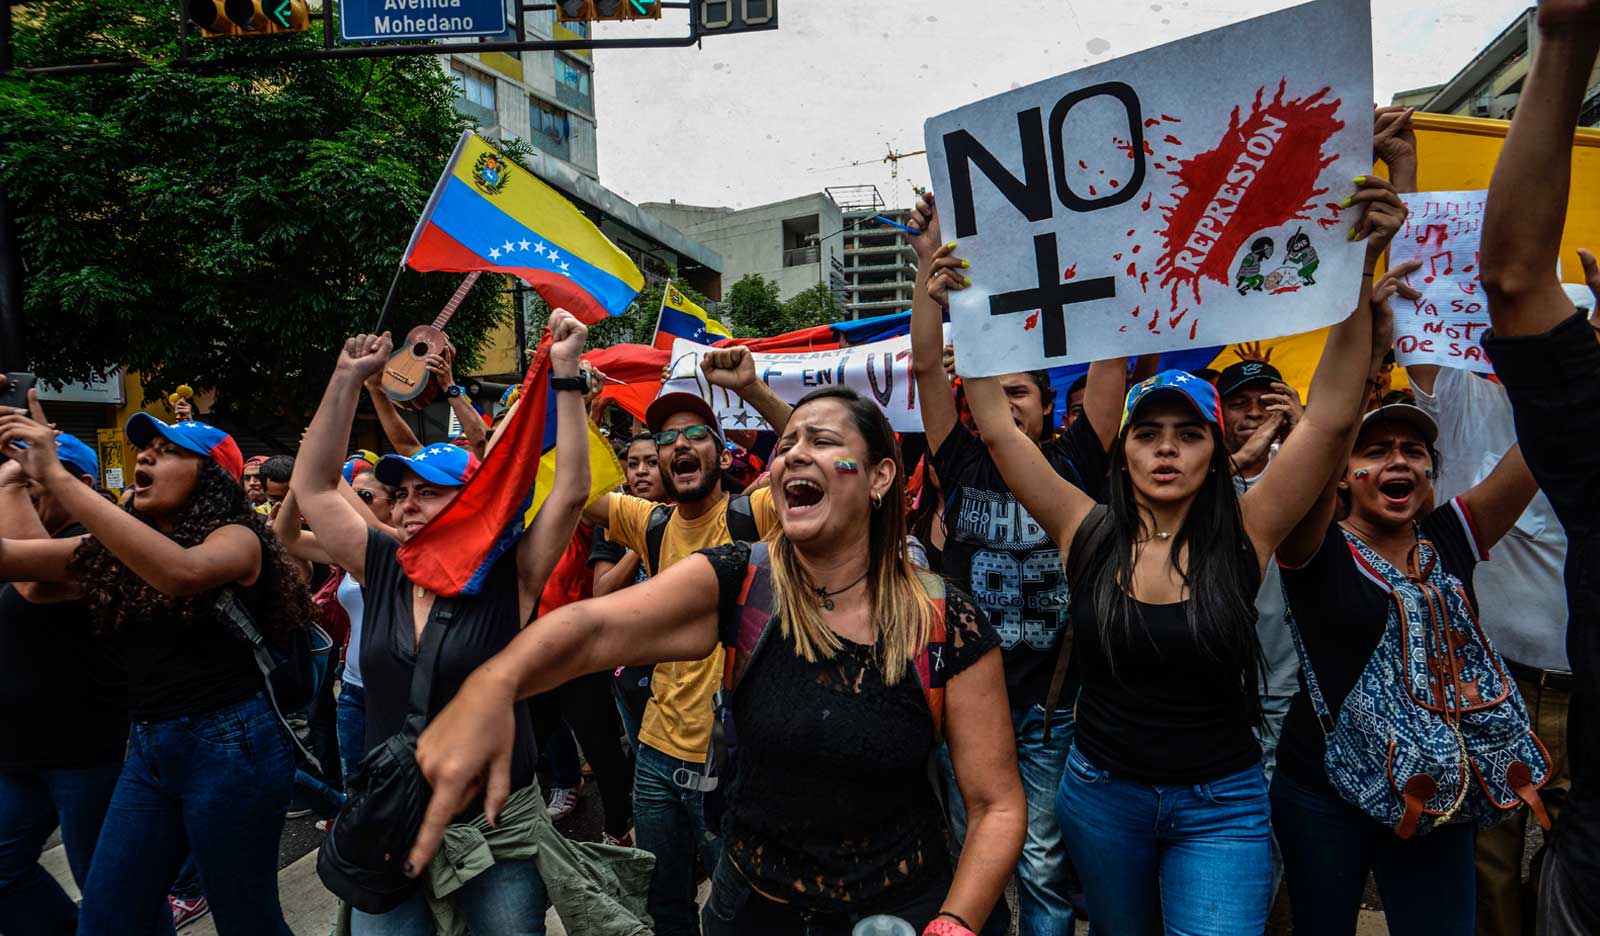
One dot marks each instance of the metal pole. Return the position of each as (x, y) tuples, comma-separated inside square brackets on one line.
[(12, 354), (519, 298), (388, 301)]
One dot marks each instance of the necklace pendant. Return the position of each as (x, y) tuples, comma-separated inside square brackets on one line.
[(827, 603), (1163, 535)]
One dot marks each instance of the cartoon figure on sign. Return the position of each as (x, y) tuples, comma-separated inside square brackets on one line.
[(1249, 276), (1302, 255), (1283, 279)]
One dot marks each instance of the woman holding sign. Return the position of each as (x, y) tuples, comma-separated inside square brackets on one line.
[(1163, 800)]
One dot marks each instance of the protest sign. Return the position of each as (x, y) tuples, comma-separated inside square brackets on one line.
[(1181, 197), (1443, 326), (880, 371)]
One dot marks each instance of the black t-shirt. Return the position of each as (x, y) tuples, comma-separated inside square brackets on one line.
[(483, 625), (1009, 564), (1159, 709), (178, 667), (832, 805), (63, 690), (1341, 608)]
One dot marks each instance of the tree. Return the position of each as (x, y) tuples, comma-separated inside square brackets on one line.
[(226, 226), (636, 325), (753, 308)]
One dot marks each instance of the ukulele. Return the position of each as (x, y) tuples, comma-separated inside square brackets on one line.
[(406, 378)]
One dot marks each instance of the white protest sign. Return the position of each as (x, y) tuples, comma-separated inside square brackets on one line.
[(880, 371), (1446, 324), (1185, 196)]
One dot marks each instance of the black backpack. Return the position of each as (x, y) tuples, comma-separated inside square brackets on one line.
[(741, 518), (363, 854)]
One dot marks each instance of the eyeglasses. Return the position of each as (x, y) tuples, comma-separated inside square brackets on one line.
[(693, 433), (367, 497)]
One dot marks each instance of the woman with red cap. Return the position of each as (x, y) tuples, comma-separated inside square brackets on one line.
[(209, 768)]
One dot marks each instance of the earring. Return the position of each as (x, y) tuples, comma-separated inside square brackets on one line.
[(877, 501)]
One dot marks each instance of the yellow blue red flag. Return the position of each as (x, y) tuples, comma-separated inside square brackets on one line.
[(681, 318)]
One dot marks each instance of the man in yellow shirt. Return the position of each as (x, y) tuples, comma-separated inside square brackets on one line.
[(668, 818)]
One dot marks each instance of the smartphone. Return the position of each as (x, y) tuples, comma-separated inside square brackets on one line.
[(14, 392)]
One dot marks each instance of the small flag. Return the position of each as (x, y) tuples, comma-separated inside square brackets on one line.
[(681, 318), (489, 213), (453, 554)]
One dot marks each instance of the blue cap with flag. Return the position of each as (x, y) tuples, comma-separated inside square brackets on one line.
[(77, 456), (440, 463), (1199, 393)]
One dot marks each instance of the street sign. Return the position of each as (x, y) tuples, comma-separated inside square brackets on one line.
[(387, 20)]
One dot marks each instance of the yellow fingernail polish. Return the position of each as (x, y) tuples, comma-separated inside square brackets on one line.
[(1347, 203), (966, 282), (965, 263), (951, 245), (1360, 179), (1351, 236)]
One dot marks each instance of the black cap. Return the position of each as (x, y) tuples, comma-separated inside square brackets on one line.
[(1237, 376)]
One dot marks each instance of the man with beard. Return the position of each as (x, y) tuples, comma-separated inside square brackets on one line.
[(676, 730)]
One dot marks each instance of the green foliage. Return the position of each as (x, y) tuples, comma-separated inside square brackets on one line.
[(224, 226), (635, 326), (753, 308)]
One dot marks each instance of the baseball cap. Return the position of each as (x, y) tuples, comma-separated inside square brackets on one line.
[(190, 435), (1405, 413), (77, 456), (355, 466), (255, 461), (439, 463), (677, 401), (1177, 383), (1236, 377)]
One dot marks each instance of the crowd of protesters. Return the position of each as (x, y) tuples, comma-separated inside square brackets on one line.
[(1122, 659)]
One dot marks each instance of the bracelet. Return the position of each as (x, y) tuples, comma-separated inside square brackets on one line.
[(956, 917), (580, 384), (948, 927)]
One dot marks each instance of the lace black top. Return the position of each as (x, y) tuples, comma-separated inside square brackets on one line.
[(832, 807)]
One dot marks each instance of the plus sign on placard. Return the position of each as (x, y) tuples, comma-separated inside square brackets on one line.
[(1052, 296)]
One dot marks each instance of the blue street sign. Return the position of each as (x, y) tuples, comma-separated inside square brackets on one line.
[(386, 20)]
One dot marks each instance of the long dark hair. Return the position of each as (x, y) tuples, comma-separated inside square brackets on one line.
[(1222, 574), (117, 596)]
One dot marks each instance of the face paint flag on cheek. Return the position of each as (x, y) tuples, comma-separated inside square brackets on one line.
[(846, 465), (1362, 472)]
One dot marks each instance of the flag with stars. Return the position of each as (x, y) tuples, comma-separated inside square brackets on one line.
[(454, 553), (489, 213), (682, 318)]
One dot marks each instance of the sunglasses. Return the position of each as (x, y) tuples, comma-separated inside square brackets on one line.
[(367, 497), (693, 433)]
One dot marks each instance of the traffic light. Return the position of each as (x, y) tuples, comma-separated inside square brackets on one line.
[(249, 17), (584, 11)]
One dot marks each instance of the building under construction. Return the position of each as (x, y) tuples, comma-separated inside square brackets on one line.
[(880, 268)]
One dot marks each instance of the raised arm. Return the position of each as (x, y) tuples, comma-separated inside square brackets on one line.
[(1528, 193), (341, 530), (613, 576), (1104, 391), (1056, 504), (400, 436), (442, 367), (542, 545), (934, 264), (1299, 479), (1497, 501), (734, 368), (231, 553), (1394, 141), (18, 518), (467, 747)]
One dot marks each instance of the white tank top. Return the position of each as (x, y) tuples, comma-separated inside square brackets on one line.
[(351, 601)]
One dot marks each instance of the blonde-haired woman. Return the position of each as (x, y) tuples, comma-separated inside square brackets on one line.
[(830, 817)]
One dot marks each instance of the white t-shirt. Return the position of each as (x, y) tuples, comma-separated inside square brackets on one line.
[(350, 600), (1522, 601)]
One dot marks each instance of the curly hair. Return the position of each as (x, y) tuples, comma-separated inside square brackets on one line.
[(116, 595)]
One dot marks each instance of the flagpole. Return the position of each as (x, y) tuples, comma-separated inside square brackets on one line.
[(422, 222), (661, 311), (388, 301)]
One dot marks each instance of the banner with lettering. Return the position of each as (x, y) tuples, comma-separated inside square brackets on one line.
[(880, 371), (1447, 323), (1181, 197)]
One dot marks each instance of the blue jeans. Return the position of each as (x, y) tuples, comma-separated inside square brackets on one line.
[(215, 784), (630, 721), (1196, 858), (1427, 882), (670, 824), (506, 900), (1042, 908), (350, 719), (32, 803)]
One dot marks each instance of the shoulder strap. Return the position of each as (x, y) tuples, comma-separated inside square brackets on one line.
[(1093, 533), (931, 662), (655, 529), (755, 616), (433, 634), (741, 518), (243, 624)]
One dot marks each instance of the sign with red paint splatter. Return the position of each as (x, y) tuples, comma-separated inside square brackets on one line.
[(1446, 325), (1185, 196)]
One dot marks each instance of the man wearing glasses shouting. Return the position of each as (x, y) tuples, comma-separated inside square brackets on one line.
[(668, 819)]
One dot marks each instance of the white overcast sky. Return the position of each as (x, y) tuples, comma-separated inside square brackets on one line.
[(759, 117)]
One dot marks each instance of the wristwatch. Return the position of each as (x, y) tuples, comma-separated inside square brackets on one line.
[(580, 384), (454, 390)]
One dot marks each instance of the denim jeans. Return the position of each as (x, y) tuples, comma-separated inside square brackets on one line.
[(351, 720), (506, 900), (670, 824), (630, 721), (1043, 868), (1196, 857), (1427, 882), (216, 784), (33, 802), (736, 909)]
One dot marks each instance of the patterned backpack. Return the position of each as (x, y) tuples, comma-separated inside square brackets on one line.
[(1435, 730), (756, 624)]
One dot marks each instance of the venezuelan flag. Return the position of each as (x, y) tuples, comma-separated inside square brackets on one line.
[(681, 318), (453, 554), (488, 213)]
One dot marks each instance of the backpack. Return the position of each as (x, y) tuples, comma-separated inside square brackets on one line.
[(757, 623), (741, 519), (1435, 730)]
